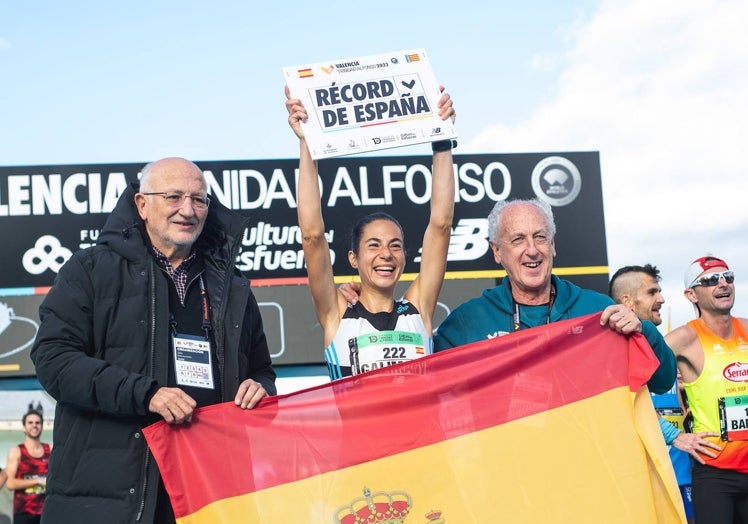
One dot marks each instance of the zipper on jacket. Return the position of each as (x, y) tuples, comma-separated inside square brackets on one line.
[(144, 485), (146, 459)]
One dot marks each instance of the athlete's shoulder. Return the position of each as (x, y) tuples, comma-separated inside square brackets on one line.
[(681, 338)]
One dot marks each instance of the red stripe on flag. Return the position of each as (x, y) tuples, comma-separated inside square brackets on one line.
[(393, 410)]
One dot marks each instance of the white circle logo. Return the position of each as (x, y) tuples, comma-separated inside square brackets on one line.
[(46, 254), (556, 180)]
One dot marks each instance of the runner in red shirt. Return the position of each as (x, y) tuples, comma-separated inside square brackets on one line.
[(27, 471)]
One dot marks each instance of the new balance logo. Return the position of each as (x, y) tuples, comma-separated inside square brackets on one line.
[(469, 240)]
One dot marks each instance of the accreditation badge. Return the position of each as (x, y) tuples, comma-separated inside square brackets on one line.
[(193, 364), (733, 417)]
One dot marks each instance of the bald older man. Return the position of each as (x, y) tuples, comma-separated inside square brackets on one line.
[(150, 324)]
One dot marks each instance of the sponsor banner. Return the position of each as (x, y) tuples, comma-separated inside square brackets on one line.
[(477, 434), (48, 212), (369, 103)]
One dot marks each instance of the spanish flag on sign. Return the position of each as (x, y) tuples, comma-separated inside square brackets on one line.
[(549, 425)]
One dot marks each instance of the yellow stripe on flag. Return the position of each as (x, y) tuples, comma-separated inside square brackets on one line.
[(603, 475)]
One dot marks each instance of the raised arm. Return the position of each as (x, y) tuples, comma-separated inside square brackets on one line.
[(327, 302), (424, 291)]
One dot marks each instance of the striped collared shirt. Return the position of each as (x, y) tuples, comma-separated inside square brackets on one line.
[(178, 275)]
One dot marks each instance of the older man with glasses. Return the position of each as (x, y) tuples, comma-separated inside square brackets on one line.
[(150, 324), (712, 355)]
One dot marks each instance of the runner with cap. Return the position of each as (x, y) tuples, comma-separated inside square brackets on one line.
[(712, 355)]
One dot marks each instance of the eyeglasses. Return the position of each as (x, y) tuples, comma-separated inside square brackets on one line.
[(713, 279), (176, 199)]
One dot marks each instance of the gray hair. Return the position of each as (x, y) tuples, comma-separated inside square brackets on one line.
[(494, 217)]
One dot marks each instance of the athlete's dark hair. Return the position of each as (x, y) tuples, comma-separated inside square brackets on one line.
[(649, 269), (32, 412), (358, 229)]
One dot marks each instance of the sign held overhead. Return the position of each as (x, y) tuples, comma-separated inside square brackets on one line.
[(363, 104)]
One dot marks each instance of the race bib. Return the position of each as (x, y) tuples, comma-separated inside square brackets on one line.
[(733, 417), (384, 348), (673, 415)]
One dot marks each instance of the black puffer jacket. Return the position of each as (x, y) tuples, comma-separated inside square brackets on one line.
[(96, 354)]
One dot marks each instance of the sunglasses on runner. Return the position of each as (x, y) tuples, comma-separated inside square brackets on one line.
[(713, 279)]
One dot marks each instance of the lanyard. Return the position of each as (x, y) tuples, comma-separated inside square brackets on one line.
[(206, 309), (552, 299)]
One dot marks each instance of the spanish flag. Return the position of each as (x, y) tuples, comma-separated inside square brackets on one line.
[(548, 425)]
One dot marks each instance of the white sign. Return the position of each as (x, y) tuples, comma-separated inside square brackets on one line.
[(356, 105)]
